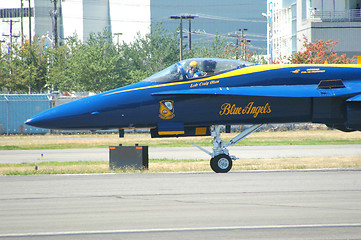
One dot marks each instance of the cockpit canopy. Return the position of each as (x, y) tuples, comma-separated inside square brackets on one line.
[(207, 67)]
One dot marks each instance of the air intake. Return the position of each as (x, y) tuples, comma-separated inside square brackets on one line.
[(329, 84)]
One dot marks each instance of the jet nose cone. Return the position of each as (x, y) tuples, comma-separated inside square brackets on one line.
[(29, 122), (41, 120), (73, 115)]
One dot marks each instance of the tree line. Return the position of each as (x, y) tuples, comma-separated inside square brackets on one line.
[(98, 65), (95, 65)]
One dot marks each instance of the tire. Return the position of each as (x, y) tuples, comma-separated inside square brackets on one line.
[(221, 163)]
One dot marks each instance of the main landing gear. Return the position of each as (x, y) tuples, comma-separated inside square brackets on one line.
[(221, 161)]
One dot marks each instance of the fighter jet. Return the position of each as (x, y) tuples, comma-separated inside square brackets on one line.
[(196, 97)]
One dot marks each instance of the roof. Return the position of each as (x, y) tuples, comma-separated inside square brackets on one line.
[(24, 97)]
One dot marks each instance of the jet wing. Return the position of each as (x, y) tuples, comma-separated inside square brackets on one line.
[(266, 91)]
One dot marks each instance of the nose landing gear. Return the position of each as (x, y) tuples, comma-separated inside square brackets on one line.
[(221, 161)]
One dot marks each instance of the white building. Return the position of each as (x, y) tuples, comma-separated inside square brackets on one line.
[(129, 17), (124, 18), (290, 20)]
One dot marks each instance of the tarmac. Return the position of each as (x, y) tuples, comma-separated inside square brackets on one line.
[(318, 204)]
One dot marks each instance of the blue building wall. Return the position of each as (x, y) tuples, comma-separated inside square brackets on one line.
[(15, 109)]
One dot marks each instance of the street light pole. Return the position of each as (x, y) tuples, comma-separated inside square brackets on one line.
[(180, 39), (22, 22), (29, 12), (269, 54), (54, 14), (243, 42), (189, 18), (117, 34), (189, 35)]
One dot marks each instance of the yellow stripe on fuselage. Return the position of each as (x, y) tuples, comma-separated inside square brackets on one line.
[(241, 71), (171, 133)]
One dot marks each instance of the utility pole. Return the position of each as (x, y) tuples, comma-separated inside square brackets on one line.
[(241, 42), (244, 42), (1, 47), (29, 12), (189, 18), (117, 34), (237, 36), (11, 35), (55, 14), (190, 34), (180, 39), (22, 22)]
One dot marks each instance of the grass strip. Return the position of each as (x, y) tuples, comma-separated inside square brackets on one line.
[(274, 142), (299, 137), (164, 165)]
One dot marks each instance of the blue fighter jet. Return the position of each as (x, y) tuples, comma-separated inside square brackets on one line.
[(195, 97)]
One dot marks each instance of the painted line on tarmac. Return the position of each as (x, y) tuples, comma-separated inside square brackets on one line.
[(160, 230)]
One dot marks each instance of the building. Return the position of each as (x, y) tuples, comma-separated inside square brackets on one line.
[(126, 18), (80, 17), (290, 20)]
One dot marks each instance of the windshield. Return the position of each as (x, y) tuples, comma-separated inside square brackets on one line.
[(195, 68)]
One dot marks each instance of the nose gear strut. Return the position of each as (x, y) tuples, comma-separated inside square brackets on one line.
[(221, 161)]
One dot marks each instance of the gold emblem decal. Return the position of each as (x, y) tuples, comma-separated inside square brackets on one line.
[(166, 110)]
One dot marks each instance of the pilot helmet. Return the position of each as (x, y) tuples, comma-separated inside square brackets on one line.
[(193, 64)]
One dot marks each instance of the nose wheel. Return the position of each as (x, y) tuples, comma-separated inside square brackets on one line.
[(221, 161)]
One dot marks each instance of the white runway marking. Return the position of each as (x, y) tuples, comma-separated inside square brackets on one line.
[(159, 230)]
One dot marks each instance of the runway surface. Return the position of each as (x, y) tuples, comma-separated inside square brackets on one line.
[(238, 205), (243, 152)]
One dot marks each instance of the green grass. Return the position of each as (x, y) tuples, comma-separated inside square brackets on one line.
[(85, 167), (12, 148), (298, 137), (165, 165), (185, 143), (52, 146), (72, 163), (85, 163)]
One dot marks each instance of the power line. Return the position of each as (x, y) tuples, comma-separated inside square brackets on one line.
[(229, 19)]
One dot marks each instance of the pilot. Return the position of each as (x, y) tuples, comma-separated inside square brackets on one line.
[(193, 70)]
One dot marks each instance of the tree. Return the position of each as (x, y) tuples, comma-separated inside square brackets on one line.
[(317, 52), (214, 49), (34, 62), (99, 64), (149, 54), (62, 73), (11, 68), (93, 66), (24, 69)]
